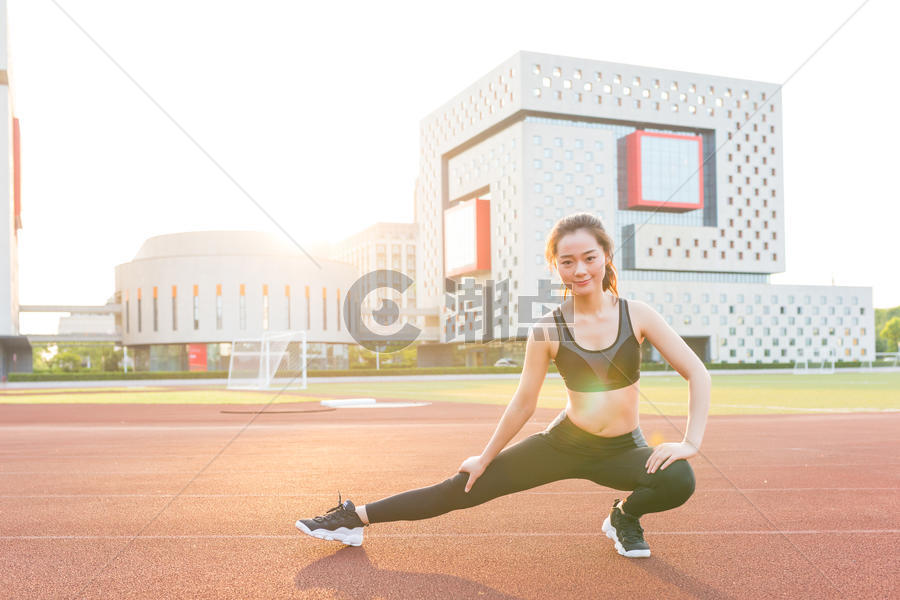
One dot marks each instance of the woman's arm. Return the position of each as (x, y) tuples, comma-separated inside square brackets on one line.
[(674, 349), (519, 410)]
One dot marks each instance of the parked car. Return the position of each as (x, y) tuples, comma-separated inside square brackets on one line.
[(506, 362)]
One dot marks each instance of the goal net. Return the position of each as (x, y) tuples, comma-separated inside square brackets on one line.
[(823, 366), (276, 361)]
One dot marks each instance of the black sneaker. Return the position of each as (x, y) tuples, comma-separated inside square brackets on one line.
[(626, 532), (340, 523)]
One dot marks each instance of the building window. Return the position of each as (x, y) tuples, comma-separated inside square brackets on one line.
[(265, 315), (287, 295), (140, 324), (196, 306), (324, 309), (174, 308), (127, 317), (307, 308), (242, 307), (219, 306), (155, 309)]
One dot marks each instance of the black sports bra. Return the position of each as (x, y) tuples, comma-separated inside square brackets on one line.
[(599, 370)]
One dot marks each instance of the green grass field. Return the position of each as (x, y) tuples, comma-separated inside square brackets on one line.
[(732, 394)]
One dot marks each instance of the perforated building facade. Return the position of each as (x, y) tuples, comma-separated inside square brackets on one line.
[(684, 169)]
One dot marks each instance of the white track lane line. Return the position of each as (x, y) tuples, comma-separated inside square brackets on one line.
[(700, 465), (455, 535), (382, 494)]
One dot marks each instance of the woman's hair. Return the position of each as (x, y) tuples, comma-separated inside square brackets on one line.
[(594, 226)]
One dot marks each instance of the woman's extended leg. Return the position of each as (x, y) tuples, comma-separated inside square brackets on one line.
[(526, 464)]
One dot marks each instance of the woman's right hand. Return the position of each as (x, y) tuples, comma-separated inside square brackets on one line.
[(474, 466)]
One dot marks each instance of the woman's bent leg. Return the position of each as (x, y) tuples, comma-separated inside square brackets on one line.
[(653, 492), (527, 464)]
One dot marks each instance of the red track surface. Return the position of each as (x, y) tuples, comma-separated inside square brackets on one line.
[(816, 515)]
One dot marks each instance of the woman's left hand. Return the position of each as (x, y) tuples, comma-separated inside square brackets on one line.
[(665, 454)]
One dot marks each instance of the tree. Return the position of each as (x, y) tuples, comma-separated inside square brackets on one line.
[(882, 316), (110, 359), (66, 361), (41, 356), (94, 356), (891, 332)]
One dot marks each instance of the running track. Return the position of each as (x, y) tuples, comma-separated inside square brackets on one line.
[(105, 501)]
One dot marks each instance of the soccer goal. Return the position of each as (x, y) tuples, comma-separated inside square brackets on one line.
[(828, 362), (825, 366), (892, 358), (801, 367), (276, 361)]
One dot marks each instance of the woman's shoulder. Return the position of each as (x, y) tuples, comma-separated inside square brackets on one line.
[(547, 320), (544, 327), (636, 305), (642, 316)]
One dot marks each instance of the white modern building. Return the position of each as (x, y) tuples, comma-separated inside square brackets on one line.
[(15, 349), (87, 324), (186, 297), (685, 170), (389, 246)]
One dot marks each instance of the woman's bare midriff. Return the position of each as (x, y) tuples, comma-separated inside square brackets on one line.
[(607, 414)]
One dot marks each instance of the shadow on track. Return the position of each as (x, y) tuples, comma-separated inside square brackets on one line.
[(350, 574), (665, 573)]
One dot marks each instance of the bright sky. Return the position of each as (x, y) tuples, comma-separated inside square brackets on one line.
[(314, 109)]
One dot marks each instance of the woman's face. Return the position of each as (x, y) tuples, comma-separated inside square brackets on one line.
[(581, 262)]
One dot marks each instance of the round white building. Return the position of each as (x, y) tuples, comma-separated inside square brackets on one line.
[(187, 296)]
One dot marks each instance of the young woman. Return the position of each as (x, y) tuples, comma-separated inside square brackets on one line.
[(594, 338)]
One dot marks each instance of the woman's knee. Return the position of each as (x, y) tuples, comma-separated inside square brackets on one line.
[(453, 491), (678, 481)]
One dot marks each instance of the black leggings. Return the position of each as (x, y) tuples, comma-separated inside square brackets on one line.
[(562, 451)]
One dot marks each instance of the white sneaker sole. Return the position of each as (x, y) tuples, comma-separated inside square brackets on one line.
[(350, 537), (610, 532)]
